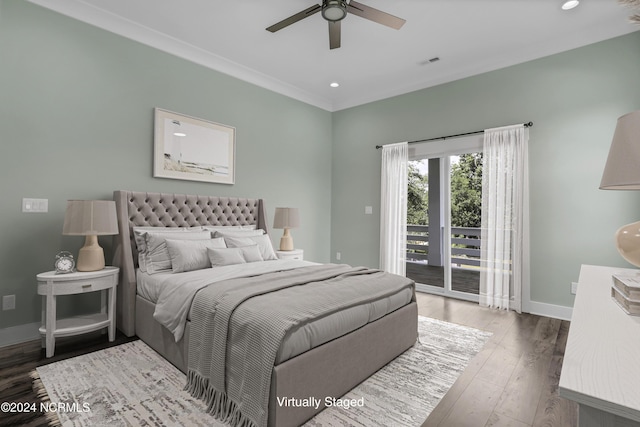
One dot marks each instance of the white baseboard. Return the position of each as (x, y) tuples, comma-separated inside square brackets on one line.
[(540, 308), (19, 334), (550, 310)]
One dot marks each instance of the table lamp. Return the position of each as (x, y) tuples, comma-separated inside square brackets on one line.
[(286, 218), (622, 172), (90, 218)]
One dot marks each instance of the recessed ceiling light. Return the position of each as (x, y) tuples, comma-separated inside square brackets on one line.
[(570, 4), (334, 84), (180, 134)]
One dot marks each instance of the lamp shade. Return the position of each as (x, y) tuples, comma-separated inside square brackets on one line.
[(286, 218), (90, 217), (622, 170)]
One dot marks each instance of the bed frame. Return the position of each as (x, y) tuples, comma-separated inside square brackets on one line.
[(326, 371)]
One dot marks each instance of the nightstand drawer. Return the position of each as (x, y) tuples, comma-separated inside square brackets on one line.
[(294, 254), (73, 285)]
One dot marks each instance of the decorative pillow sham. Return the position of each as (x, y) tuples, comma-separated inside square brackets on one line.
[(251, 253), (157, 257), (138, 237), (227, 256), (189, 255), (138, 233), (238, 233), (232, 256), (263, 242)]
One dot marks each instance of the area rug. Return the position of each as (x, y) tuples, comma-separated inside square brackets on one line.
[(131, 385)]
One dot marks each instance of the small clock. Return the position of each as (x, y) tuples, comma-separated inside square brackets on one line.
[(64, 263)]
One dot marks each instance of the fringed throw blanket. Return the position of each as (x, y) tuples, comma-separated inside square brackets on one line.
[(238, 325)]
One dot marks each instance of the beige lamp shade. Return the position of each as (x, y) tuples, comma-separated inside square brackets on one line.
[(90, 218), (622, 172), (286, 218)]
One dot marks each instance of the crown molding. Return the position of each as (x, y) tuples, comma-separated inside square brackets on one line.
[(113, 23)]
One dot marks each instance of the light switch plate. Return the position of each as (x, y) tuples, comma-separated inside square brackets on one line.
[(35, 205)]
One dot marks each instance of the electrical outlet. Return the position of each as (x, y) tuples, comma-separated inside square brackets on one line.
[(338, 256), (8, 302), (574, 287), (368, 210)]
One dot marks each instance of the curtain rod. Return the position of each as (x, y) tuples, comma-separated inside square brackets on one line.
[(527, 125)]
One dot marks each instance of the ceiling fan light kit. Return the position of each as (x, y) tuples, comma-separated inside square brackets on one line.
[(334, 11)]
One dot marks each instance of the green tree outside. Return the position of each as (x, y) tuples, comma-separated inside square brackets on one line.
[(466, 191), (417, 196)]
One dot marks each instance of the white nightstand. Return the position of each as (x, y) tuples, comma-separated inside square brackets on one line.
[(294, 254), (50, 285)]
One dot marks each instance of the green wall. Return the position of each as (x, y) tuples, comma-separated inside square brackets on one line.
[(76, 121), (573, 98)]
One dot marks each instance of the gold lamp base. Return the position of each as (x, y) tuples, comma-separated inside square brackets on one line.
[(628, 242)]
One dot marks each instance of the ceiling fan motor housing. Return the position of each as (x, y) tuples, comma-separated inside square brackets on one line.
[(334, 10)]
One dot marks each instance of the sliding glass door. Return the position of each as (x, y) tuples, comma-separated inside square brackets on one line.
[(443, 217)]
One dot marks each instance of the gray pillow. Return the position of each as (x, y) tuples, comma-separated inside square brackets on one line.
[(189, 255), (263, 242), (157, 255), (234, 232), (251, 253), (141, 246), (227, 256)]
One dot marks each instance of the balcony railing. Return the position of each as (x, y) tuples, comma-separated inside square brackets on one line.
[(465, 258), (465, 245)]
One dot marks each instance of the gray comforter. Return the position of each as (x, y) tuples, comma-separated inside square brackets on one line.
[(238, 325)]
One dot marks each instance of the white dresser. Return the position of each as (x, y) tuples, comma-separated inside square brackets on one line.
[(601, 367)]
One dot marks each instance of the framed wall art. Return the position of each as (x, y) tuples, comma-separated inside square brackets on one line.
[(193, 149)]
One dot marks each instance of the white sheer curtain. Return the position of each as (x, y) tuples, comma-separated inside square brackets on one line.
[(393, 208), (505, 218)]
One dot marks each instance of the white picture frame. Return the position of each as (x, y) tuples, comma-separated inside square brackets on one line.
[(193, 149)]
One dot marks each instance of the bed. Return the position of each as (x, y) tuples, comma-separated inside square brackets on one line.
[(329, 369)]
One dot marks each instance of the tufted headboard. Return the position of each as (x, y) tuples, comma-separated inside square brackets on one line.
[(168, 210)]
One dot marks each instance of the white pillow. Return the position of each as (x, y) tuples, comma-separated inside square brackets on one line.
[(157, 256), (138, 233), (238, 233), (227, 256), (189, 255), (251, 253), (138, 237), (263, 242)]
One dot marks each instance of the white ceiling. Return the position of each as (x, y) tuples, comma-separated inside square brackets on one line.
[(374, 62)]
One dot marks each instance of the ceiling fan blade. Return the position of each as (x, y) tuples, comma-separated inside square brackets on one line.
[(334, 34), (295, 18), (375, 15)]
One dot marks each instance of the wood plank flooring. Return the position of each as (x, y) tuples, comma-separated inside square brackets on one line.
[(512, 381)]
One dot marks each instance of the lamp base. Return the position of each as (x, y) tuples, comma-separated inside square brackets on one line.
[(91, 255), (628, 242), (286, 241)]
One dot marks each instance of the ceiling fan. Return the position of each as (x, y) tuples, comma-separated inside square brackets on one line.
[(335, 11)]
